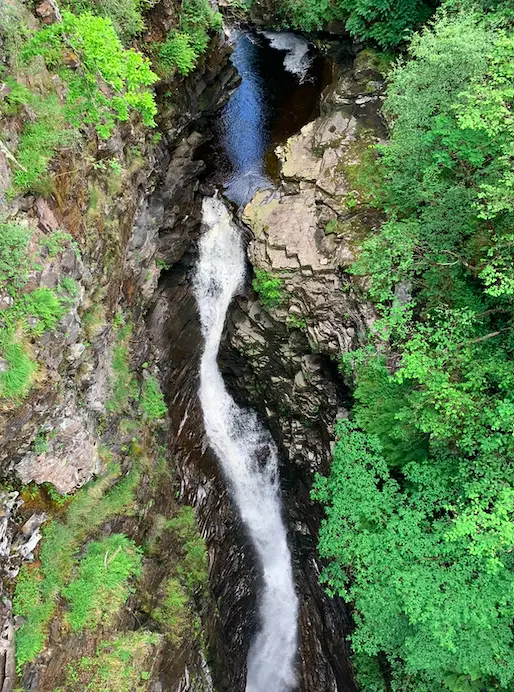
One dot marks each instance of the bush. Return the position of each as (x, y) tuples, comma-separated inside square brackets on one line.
[(177, 53), (103, 61), (186, 43), (268, 288), (125, 15), (15, 262)]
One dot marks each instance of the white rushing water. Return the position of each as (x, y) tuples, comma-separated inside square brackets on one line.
[(297, 59), (248, 457)]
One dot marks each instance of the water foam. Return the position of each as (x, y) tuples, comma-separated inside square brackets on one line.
[(297, 59), (248, 457)]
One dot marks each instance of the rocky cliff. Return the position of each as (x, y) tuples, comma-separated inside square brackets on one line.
[(83, 453), (280, 360)]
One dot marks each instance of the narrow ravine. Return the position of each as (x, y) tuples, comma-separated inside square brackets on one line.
[(244, 448), (248, 457)]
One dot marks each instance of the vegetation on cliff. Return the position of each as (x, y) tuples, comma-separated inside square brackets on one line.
[(420, 498), (77, 109)]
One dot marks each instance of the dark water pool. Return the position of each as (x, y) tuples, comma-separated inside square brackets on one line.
[(278, 94)]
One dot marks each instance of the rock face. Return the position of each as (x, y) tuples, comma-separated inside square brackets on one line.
[(281, 360), (280, 363), (99, 231)]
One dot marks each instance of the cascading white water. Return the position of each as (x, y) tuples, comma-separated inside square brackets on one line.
[(248, 457), (297, 59)]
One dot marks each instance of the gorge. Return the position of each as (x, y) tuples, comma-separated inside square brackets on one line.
[(256, 410)]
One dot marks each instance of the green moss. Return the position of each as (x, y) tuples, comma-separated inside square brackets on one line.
[(192, 567), (38, 586), (296, 322), (120, 664), (331, 227), (174, 614), (93, 320), (268, 288), (101, 584), (152, 403)]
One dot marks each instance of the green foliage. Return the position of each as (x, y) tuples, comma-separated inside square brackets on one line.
[(101, 584), (58, 241), (386, 23), (177, 52), (38, 144), (38, 587), (124, 387), (103, 61), (173, 613), (118, 665), (428, 587), (13, 30), (152, 402), (186, 43), (68, 287), (296, 322), (28, 315), (192, 567), (188, 578), (15, 262), (267, 287), (16, 379), (420, 498), (125, 15)]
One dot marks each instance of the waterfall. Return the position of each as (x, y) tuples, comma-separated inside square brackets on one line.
[(248, 457), (297, 59)]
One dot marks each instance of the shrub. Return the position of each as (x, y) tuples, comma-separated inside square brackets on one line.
[(125, 15), (126, 74), (101, 586), (177, 53), (268, 288), (190, 39), (15, 262)]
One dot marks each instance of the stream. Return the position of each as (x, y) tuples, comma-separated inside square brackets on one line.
[(244, 448)]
